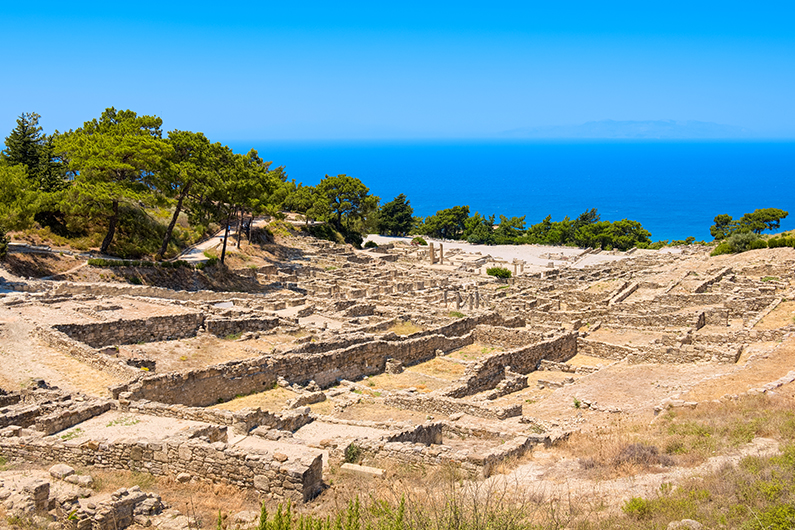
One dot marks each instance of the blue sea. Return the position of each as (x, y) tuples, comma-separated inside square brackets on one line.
[(674, 189)]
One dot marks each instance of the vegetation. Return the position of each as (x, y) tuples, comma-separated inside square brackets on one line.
[(587, 230), (755, 222), (119, 184), (395, 217), (3, 243), (498, 272)]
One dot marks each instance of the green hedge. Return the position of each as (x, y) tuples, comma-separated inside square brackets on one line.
[(100, 262)]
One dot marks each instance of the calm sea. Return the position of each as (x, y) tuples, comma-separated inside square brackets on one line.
[(674, 189)]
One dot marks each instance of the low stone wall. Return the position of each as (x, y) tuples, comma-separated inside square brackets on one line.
[(105, 363), (659, 354), (506, 337), (438, 404), (206, 386), (241, 421), (9, 398), (489, 371), (481, 464), (296, 479), (224, 327), (65, 418), (122, 509), (425, 434), (152, 329), (703, 286)]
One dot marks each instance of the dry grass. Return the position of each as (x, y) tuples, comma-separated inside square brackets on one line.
[(200, 500), (440, 368), (778, 318), (273, 399), (405, 328), (475, 351), (687, 436), (405, 380)]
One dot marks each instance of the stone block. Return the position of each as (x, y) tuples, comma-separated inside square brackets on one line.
[(363, 471), (61, 471)]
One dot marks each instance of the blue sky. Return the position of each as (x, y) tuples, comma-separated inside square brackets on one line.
[(348, 70)]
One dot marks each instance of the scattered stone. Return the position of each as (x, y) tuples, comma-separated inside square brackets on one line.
[(61, 471), (364, 471)]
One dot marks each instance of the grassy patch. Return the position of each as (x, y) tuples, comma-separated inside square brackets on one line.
[(71, 435), (123, 421), (404, 327)]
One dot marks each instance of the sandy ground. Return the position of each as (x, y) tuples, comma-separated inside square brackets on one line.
[(536, 256), (24, 358)]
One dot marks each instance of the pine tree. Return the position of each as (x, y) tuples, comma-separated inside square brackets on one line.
[(25, 144)]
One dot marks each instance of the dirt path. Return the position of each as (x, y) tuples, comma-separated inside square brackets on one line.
[(24, 358)]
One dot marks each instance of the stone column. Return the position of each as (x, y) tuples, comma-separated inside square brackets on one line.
[(441, 254), (470, 301), (431, 253), (445, 298), (515, 268), (458, 300), (521, 267), (477, 299)]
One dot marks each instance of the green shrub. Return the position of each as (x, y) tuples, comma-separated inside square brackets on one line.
[(371, 244), (637, 508), (456, 314), (212, 262), (353, 453), (723, 248), (418, 241), (498, 272), (759, 243), (783, 241)]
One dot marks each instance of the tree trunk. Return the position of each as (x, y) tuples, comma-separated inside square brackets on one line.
[(173, 223), (226, 236), (114, 219), (239, 227)]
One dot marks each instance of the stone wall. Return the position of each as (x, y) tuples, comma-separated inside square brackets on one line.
[(105, 363), (298, 479), (63, 418), (506, 337), (223, 327), (486, 373), (659, 354), (152, 329), (439, 404), (206, 386), (241, 421)]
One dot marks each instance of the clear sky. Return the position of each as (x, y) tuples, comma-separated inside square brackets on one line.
[(347, 70)]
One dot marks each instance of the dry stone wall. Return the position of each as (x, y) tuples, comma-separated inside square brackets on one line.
[(152, 329), (63, 343), (206, 386), (297, 479), (488, 372), (224, 327)]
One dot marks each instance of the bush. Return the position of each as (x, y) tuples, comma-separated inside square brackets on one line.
[(759, 243), (418, 241), (642, 454), (371, 244), (498, 272), (783, 241), (353, 453)]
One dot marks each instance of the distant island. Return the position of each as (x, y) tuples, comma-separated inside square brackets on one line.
[(650, 129)]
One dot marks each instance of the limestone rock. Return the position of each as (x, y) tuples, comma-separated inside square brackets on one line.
[(61, 471)]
